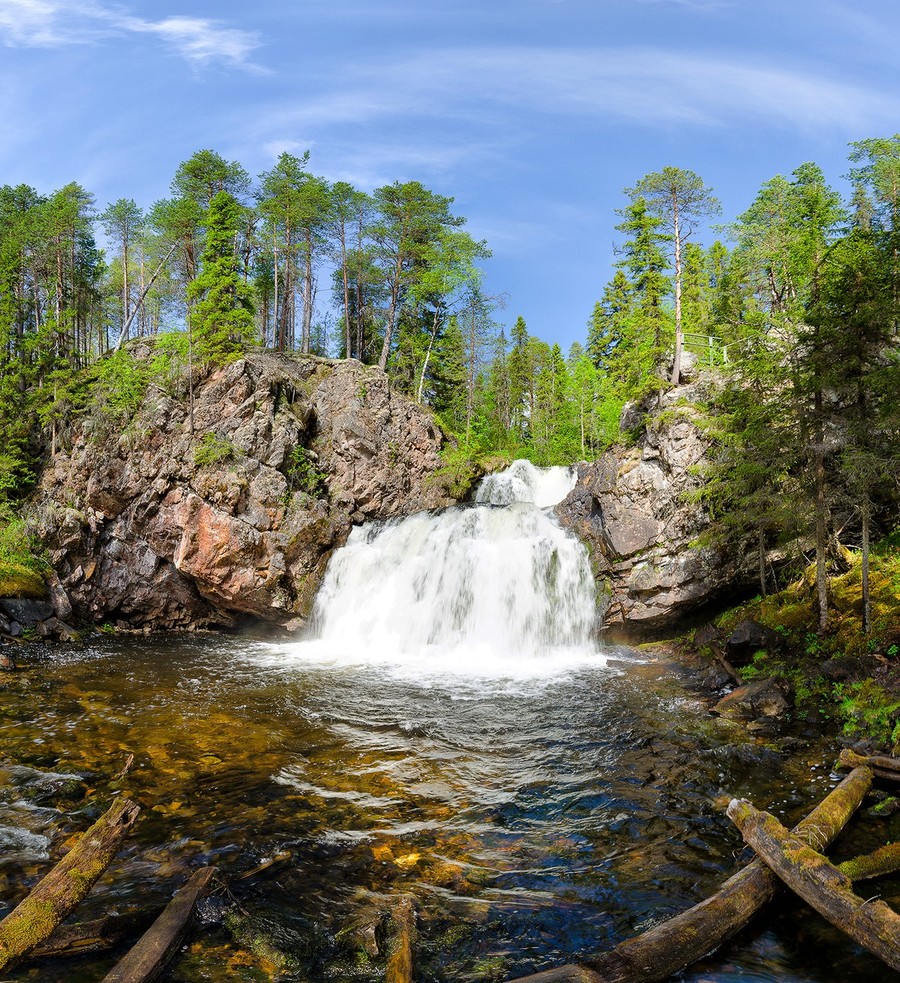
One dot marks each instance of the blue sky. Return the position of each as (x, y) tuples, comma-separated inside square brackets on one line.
[(532, 114)]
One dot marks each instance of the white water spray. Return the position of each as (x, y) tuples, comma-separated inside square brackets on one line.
[(493, 589)]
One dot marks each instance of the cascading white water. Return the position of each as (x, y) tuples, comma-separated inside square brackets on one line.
[(497, 588)]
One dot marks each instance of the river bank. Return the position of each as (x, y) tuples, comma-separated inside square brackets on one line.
[(844, 682)]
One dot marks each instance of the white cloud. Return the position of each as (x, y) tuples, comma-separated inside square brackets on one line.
[(46, 23), (52, 23), (642, 85), (199, 40)]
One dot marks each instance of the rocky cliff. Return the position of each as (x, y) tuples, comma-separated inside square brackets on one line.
[(173, 525), (633, 510)]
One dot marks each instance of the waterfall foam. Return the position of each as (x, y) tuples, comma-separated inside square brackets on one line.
[(494, 589)]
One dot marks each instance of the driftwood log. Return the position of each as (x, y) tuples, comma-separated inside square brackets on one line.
[(400, 936), (885, 860), (811, 876), (97, 935), (162, 940), (672, 945), (888, 769), (55, 897)]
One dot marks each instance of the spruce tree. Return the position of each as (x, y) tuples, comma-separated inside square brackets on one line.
[(221, 317)]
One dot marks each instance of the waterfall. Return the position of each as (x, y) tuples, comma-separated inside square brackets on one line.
[(492, 588)]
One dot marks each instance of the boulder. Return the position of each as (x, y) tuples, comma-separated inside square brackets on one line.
[(761, 698), (25, 611), (748, 638), (706, 636)]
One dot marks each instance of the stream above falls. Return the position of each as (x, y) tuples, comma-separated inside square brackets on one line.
[(538, 795)]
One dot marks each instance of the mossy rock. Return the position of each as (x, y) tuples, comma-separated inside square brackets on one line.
[(19, 581)]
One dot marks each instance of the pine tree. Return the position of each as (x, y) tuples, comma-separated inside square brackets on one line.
[(608, 325), (647, 330), (681, 198), (221, 317)]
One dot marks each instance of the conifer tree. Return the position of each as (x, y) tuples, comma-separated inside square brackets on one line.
[(221, 311)]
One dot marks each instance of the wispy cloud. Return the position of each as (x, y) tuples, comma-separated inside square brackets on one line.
[(641, 85), (201, 41), (51, 23)]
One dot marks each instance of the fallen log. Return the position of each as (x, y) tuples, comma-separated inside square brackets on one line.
[(97, 935), (882, 766), (56, 896), (815, 879), (672, 945), (162, 940), (885, 860), (400, 935)]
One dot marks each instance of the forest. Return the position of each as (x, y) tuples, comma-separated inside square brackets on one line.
[(792, 312)]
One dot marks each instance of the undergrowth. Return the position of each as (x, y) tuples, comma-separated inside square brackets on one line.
[(844, 676)]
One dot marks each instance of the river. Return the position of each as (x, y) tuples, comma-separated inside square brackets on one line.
[(448, 728)]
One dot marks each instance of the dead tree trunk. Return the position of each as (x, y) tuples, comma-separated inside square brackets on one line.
[(401, 933), (811, 876), (97, 935), (883, 767), (163, 939), (55, 897), (881, 862), (669, 947)]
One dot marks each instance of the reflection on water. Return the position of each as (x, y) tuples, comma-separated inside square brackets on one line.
[(531, 819), (450, 731)]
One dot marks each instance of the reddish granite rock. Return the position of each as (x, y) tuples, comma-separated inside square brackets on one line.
[(146, 530)]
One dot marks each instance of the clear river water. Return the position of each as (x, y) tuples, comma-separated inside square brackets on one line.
[(448, 728)]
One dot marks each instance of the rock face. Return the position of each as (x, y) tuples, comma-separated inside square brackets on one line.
[(158, 527), (632, 511)]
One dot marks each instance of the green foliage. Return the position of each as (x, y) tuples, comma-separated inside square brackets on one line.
[(866, 708), (459, 471), (221, 313), (121, 382), (170, 361), (860, 705), (212, 449), (303, 474)]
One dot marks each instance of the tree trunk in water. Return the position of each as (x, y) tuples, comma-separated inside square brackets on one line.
[(400, 942), (810, 875), (672, 945), (97, 935), (888, 769), (55, 897), (879, 863), (163, 939)]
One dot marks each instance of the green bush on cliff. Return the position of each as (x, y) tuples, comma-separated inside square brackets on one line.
[(212, 449), (303, 474)]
